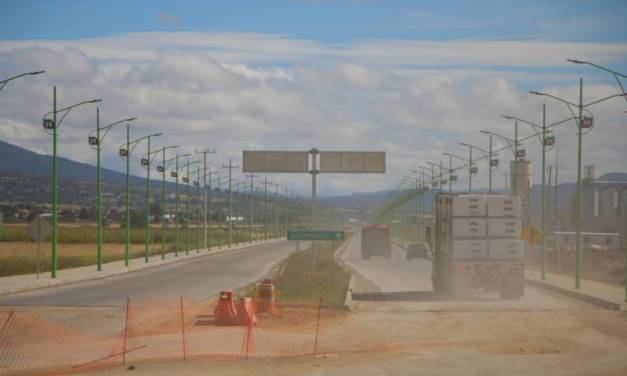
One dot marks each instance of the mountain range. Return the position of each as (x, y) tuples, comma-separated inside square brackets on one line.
[(18, 161)]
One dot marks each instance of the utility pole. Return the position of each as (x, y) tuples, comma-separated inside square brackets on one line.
[(204, 194), (230, 203)]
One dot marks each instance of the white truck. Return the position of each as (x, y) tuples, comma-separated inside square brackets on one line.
[(478, 245)]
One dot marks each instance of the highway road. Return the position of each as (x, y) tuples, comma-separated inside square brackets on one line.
[(197, 278), (401, 279)]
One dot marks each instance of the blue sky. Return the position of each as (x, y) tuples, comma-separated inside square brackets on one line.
[(329, 21), (412, 78)]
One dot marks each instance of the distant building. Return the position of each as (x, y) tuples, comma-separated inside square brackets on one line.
[(589, 240), (604, 204)]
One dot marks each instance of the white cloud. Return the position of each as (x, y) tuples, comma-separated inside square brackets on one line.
[(237, 91)]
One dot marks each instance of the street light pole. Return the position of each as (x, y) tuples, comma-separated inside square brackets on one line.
[(616, 76), (230, 166), (252, 206), (53, 125), (146, 163), (544, 141), (204, 193), (174, 174), (580, 126), (163, 201), (96, 141)]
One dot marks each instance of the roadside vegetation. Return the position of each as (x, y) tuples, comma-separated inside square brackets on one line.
[(77, 245), (296, 282)]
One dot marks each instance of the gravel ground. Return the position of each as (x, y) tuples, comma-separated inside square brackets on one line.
[(413, 338)]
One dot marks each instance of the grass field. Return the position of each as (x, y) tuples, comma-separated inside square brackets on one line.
[(77, 246), (296, 282)]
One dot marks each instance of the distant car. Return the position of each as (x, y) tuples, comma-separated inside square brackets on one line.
[(417, 250)]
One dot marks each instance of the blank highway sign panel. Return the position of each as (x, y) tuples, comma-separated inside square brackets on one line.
[(275, 161), (372, 162)]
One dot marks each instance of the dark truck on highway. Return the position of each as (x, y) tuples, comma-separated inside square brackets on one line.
[(376, 241), (478, 245)]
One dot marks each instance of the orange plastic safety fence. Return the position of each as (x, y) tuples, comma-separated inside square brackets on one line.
[(72, 339)]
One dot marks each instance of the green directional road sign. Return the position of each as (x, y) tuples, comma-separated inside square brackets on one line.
[(315, 235)]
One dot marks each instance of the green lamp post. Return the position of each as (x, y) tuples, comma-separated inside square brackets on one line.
[(51, 127), (95, 139), (125, 152), (583, 123)]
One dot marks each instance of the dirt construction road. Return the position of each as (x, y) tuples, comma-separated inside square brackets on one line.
[(542, 334)]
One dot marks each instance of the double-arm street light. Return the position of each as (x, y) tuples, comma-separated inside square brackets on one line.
[(125, 152), (51, 127), (582, 123), (95, 139), (4, 83), (546, 139)]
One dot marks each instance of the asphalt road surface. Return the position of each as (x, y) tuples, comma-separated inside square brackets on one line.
[(401, 279), (198, 278)]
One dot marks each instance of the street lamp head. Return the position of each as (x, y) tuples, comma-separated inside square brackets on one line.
[(155, 134), (95, 100), (576, 61), (485, 132), (36, 72), (464, 144), (131, 119), (507, 117), (536, 92)]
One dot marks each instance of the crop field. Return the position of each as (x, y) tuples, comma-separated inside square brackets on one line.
[(77, 245)]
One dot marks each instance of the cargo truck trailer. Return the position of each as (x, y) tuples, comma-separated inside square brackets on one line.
[(478, 245), (376, 241)]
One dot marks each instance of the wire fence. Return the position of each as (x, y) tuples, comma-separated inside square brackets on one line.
[(601, 265), (42, 340)]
